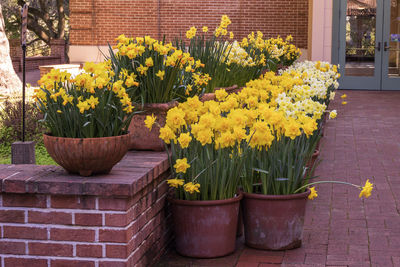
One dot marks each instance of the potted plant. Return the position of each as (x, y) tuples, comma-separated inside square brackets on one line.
[(161, 75), (276, 178), (276, 53), (206, 143), (87, 118), (229, 65)]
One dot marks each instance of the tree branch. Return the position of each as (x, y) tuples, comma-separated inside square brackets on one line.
[(39, 30), (61, 19)]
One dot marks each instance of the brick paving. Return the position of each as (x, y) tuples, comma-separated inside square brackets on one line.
[(341, 229)]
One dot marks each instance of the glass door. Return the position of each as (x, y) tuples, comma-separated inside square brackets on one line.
[(391, 46), (360, 44)]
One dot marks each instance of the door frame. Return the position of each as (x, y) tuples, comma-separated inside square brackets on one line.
[(339, 46), (394, 82)]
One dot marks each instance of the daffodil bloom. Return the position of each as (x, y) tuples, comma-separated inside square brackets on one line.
[(59, 111), (366, 189), (231, 35), (142, 69), (93, 101), (343, 96), (313, 193), (149, 62), (184, 140), (181, 165), (160, 74), (83, 106), (344, 103), (149, 121), (175, 182), (191, 187), (332, 114)]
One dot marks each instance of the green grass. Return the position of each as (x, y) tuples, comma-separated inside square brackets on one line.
[(42, 157)]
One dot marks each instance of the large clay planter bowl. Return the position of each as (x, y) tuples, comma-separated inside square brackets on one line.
[(87, 156), (141, 137), (274, 222), (205, 229)]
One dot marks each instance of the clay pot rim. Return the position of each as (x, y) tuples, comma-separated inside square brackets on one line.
[(316, 153), (157, 106), (49, 135), (206, 202), (228, 88), (277, 197)]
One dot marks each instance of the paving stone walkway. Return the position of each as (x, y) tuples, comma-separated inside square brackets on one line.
[(341, 229)]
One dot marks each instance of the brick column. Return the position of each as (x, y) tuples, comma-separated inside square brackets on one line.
[(57, 47), (115, 220), (16, 53)]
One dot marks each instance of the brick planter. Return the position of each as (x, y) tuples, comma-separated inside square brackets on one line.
[(50, 218)]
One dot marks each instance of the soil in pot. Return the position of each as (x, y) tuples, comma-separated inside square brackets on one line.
[(274, 222), (205, 229)]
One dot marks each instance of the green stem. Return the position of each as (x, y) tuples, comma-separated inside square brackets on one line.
[(324, 182)]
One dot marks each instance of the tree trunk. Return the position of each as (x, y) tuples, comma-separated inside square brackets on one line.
[(9, 80)]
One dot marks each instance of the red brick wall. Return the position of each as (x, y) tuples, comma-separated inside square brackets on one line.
[(32, 63), (104, 230), (98, 22)]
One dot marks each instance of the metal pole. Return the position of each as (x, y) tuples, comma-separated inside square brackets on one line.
[(24, 20), (23, 91)]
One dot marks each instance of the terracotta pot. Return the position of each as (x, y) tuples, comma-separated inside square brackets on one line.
[(274, 222), (205, 229), (87, 156), (141, 137), (211, 96), (310, 164)]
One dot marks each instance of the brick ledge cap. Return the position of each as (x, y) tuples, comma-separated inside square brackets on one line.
[(136, 170)]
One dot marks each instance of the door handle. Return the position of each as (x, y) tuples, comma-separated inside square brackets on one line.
[(379, 46), (386, 47)]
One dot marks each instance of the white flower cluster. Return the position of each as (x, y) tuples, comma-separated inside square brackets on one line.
[(320, 78), (236, 54)]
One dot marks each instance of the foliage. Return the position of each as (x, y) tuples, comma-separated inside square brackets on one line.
[(47, 19), (11, 122), (226, 62), (41, 155), (160, 72), (96, 103)]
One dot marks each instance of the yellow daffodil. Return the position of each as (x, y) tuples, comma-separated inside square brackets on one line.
[(149, 62), (343, 96), (181, 165), (184, 140), (344, 103), (82, 106), (149, 121), (366, 189), (160, 74), (175, 182), (191, 187), (313, 193), (332, 114)]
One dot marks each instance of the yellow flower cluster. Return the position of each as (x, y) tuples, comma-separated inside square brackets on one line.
[(237, 55), (254, 115), (276, 48), (222, 28), (191, 33), (136, 47), (94, 78)]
